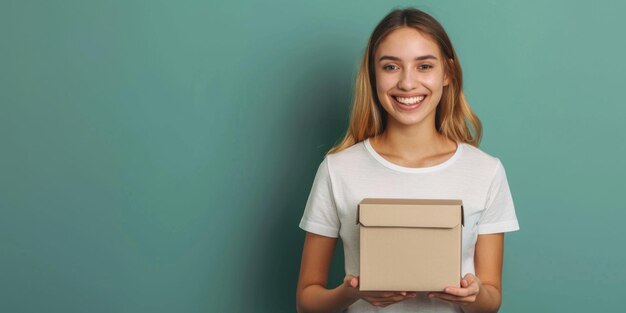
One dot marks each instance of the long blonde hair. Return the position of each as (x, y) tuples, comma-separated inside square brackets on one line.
[(453, 116)]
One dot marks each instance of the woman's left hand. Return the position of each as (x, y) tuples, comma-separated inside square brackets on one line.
[(470, 287)]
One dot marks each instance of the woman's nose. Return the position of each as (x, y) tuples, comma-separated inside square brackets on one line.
[(408, 81)]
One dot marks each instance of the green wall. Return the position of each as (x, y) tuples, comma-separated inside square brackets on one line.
[(156, 156)]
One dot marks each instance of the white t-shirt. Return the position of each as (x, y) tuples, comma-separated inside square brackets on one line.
[(343, 179)]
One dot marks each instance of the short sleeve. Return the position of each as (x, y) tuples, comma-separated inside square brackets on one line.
[(320, 213), (499, 214)]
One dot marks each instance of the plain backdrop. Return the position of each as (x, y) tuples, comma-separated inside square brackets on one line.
[(156, 156)]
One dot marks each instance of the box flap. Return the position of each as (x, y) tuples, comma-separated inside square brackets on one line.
[(432, 213)]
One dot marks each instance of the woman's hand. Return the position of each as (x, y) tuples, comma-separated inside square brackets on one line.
[(470, 287), (375, 298)]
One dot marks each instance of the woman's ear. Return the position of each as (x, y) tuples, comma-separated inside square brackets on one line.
[(446, 78)]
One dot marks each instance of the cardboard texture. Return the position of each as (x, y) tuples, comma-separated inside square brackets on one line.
[(409, 244)]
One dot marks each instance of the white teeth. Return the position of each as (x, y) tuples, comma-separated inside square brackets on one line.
[(412, 100)]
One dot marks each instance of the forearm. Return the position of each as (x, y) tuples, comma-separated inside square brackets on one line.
[(317, 299), (487, 301)]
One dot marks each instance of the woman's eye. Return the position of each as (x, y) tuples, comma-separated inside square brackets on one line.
[(425, 67), (390, 67)]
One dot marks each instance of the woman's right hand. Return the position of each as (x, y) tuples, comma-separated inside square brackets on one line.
[(375, 298)]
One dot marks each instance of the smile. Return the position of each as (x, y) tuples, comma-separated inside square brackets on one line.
[(408, 103)]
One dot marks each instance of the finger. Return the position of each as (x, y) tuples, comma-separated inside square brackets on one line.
[(451, 298), (394, 293), (469, 277), (459, 292), (464, 291), (382, 304), (347, 279), (354, 282), (396, 298), (442, 294)]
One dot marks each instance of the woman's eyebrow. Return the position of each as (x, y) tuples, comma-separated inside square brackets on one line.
[(420, 58)]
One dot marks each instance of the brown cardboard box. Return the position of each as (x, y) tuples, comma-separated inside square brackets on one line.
[(410, 244)]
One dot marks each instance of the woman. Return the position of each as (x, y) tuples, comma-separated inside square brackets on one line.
[(410, 136)]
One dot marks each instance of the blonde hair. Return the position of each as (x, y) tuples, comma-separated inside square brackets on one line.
[(453, 117)]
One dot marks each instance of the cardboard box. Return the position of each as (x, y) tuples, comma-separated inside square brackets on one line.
[(410, 244)]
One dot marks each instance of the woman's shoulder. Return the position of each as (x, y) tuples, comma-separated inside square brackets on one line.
[(348, 156), (478, 157), (348, 153)]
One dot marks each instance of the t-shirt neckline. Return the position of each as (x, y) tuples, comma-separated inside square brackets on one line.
[(400, 168)]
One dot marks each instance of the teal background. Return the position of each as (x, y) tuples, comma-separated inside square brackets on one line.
[(157, 155)]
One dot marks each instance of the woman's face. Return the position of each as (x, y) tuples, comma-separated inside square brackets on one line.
[(409, 76)]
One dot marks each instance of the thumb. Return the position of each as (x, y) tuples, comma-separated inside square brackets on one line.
[(352, 281), (470, 278)]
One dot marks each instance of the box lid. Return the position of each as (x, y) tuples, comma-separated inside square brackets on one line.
[(432, 213)]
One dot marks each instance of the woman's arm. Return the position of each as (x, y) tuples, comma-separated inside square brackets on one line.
[(488, 265), (311, 294), (480, 293)]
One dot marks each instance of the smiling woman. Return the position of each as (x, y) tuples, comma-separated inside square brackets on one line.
[(412, 134)]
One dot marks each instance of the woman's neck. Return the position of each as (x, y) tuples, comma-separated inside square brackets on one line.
[(415, 143)]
